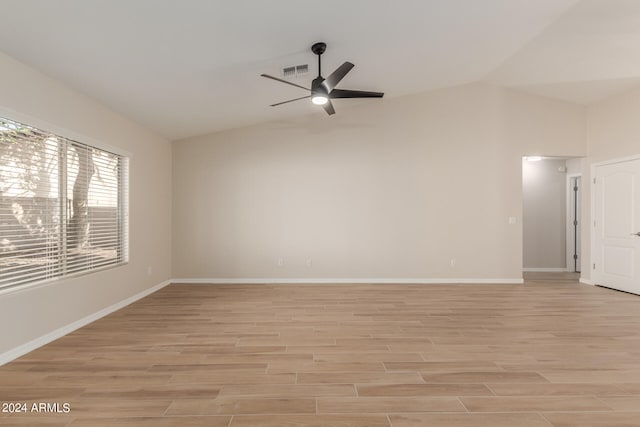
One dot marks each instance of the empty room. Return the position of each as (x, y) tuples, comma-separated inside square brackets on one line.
[(338, 213)]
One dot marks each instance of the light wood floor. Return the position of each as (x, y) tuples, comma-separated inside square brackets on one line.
[(539, 354)]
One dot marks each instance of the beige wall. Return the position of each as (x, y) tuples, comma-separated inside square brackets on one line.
[(574, 166), (614, 128), (389, 189), (613, 132), (543, 126), (544, 189), (28, 314)]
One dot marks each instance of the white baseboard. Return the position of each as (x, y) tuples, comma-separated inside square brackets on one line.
[(237, 281), (25, 348), (547, 269), (587, 282)]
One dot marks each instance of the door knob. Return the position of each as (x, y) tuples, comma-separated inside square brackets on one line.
[(636, 234)]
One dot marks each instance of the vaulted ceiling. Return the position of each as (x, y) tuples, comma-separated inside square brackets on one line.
[(190, 67)]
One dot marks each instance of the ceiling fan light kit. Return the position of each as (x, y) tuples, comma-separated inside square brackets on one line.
[(319, 99), (323, 90)]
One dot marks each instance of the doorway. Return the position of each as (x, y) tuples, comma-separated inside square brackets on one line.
[(551, 189)]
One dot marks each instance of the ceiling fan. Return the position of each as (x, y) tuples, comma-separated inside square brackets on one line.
[(323, 90)]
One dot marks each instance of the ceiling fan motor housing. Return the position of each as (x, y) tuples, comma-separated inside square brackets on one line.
[(318, 88)]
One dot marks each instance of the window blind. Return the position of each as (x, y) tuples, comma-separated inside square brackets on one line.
[(63, 206)]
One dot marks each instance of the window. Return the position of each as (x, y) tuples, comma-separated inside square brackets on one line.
[(63, 206)]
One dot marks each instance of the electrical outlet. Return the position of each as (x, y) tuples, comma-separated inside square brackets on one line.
[(453, 262), (280, 262)]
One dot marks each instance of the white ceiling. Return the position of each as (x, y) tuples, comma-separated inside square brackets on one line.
[(190, 67)]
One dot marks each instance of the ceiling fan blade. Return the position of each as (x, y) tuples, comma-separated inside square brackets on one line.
[(328, 107), (339, 73), (345, 93), (291, 100), (283, 81)]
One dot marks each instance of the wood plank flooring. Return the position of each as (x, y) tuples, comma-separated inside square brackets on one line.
[(541, 354)]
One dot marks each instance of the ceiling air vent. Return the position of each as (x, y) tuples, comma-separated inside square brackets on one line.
[(295, 70)]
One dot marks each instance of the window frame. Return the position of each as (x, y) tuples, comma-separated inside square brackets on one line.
[(122, 214)]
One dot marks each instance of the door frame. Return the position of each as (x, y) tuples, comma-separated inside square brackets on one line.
[(569, 225), (592, 203)]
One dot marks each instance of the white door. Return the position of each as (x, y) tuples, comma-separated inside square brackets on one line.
[(616, 242)]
